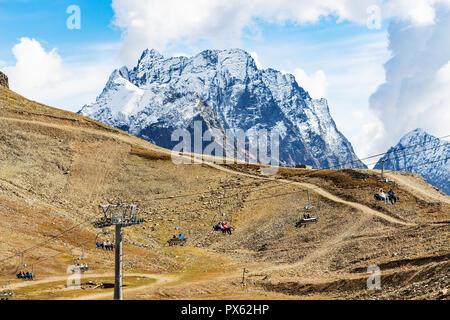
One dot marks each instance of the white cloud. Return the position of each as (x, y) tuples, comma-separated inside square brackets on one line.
[(418, 12), (256, 58), (367, 141), (417, 77), (347, 81), (158, 24), (416, 92), (316, 84), (43, 76), (35, 68)]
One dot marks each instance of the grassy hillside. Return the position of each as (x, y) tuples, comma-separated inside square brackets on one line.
[(56, 167)]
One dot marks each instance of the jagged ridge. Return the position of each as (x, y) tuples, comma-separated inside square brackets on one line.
[(225, 90)]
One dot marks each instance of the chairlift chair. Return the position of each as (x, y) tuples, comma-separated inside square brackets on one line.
[(309, 216), (26, 267), (177, 241), (84, 267), (102, 235), (222, 216), (5, 293)]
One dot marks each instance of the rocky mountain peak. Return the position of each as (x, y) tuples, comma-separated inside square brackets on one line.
[(161, 95), (422, 153)]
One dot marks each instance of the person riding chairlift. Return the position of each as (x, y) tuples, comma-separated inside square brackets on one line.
[(384, 196), (108, 245), (180, 236), (218, 226), (226, 228), (392, 196)]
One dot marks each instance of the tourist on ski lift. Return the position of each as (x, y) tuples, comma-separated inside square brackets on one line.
[(384, 196), (392, 196), (218, 226), (226, 227)]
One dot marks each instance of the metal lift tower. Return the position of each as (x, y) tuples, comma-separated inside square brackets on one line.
[(120, 215)]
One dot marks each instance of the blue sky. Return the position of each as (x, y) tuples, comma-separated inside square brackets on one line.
[(46, 22), (328, 47)]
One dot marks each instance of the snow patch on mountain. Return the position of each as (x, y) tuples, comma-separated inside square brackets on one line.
[(421, 153), (225, 90)]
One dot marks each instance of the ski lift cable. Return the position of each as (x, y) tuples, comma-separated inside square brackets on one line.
[(311, 189), (47, 241), (268, 187), (251, 200), (382, 154), (289, 193), (45, 258), (187, 195), (234, 195), (294, 182), (40, 260), (331, 167), (410, 154), (54, 238)]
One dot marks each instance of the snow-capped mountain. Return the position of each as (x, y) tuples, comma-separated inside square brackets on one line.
[(421, 153), (224, 90)]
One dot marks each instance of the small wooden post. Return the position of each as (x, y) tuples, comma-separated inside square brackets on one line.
[(243, 277)]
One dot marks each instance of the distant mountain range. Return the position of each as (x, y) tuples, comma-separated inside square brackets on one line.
[(421, 153), (224, 90)]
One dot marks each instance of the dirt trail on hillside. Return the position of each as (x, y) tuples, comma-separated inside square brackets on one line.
[(425, 192), (92, 131), (323, 193), (25, 284), (160, 280), (325, 248), (59, 162), (136, 141)]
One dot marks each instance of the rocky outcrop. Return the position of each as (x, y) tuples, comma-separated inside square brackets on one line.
[(4, 80)]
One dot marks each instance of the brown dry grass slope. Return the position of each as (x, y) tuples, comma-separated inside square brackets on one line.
[(57, 166)]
